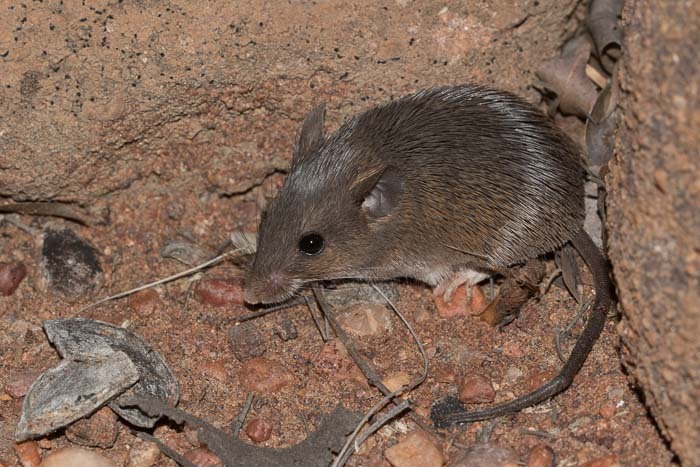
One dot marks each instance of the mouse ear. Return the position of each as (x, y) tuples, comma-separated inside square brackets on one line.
[(384, 193), (311, 134)]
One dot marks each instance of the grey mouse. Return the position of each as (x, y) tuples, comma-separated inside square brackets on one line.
[(449, 185)]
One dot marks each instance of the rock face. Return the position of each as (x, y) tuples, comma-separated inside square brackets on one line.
[(654, 215)]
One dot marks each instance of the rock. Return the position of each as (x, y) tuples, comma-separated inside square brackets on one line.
[(513, 374), (484, 455), (246, 341), (75, 457), (511, 349), (417, 449), (203, 457), (334, 362), (286, 330), (607, 411), (540, 456), (99, 430), (11, 275), (216, 370), (607, 461), (396, 380), (220, 292), (70, 265), (145, 302), (18, 384), (476, 389), (537, 379), (262, 375), (455, 307), (142, 454), (366, 319), (259, 430), (28, 453)]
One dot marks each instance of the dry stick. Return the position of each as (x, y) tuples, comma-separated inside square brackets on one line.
[(373, 377), (161, 281), (324, 334), (238, 422)]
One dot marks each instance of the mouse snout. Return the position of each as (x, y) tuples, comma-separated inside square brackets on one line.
[(274, 287)]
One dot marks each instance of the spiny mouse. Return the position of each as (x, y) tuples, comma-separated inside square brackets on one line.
[(447, 186)]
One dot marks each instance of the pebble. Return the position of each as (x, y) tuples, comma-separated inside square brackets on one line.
[(75, 457), (216, 370), (262, 375), (366, 319), (246, 341), (286, 330), (396, 380), (513, 350), (142, 454), (607, 461), (540, 456), (607, 411), (145, 302), (220, 292), (513, 373), (203, 457), (455, 307), (259, 430), (417, 449), (70, 265), (18, 383), (422, 315), (11, 275), (476, 389), (99, 430), (28, 453), (484, 455), (334, 362)]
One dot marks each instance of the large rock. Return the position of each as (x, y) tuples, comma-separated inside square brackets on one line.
[(654, 214)]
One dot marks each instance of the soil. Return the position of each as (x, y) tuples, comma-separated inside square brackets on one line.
[(172, 120)]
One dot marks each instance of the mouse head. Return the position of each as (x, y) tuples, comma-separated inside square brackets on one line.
[(325, 222)]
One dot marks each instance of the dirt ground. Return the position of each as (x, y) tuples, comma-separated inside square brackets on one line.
[(171, 120)]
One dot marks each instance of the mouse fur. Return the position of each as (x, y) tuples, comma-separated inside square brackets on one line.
[(457, 178)]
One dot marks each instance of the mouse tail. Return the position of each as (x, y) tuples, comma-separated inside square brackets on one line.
[(452, 411)]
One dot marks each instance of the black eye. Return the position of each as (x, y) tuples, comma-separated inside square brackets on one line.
[(311, 244)]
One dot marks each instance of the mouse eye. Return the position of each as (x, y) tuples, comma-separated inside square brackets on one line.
[(311, 244)]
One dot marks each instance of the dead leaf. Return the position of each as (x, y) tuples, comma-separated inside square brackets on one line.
[(519, 286), (604, 25), (600, 127)]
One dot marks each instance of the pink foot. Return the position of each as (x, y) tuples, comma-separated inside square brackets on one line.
[(465, 277)]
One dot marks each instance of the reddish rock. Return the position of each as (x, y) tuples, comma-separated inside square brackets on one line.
[(476, 389), (485, 455), (396, 380), (455, 307), (607, 461), (203, 457), (28, 453), (537, 379), (477, 301), (417, 449), (216, 370), (145, 302), (142, 454), (264, 376), (220, 292), (11, 275), (259, 430), (18, 384), (366, 319), (334, 362), (99, 430), (607, 411), (75, 457), (540, 456)]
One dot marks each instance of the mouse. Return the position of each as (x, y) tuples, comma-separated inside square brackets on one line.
[(448, 186)]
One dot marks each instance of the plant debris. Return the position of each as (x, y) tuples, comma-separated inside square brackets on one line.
[(316, 450), (603, 23), (519, 286), (54, 209)]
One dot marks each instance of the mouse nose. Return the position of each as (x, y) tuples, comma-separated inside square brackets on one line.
[(270, 289)]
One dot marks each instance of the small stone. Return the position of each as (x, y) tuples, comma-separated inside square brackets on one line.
[(18, 384), (512, 350), (537, 379), (203, 457), (484, 455), (70, 265), (286, 330), (145, 302), (28, 453), (216, 370), (99, 430), (246, 341), (142, 454), (11, 275), (477, 301), (422, 315), (175, 210), (417, 449), (396, 380), (607, 411), (513, 373), (334, 362), (455, 307), (607, 461), (444, 375), (75, 457), (262, 375), (540, 456), (476, 389), (259, 430), (366, 319), (220, 292)]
